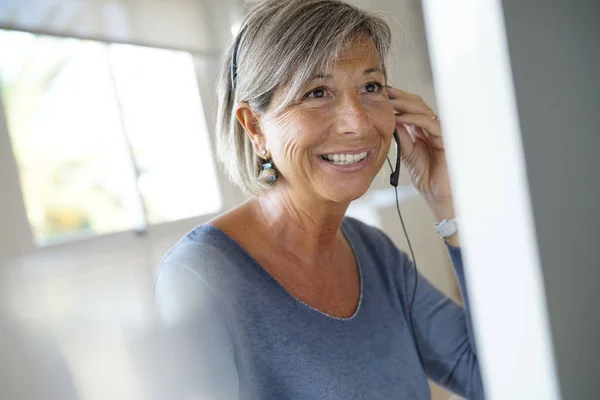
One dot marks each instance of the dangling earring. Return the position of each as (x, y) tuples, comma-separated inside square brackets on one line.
[(268, 174)]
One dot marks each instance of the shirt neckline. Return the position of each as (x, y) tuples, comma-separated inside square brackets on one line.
[(240, 249)]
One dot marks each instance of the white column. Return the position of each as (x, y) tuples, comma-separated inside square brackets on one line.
[(477, 105)]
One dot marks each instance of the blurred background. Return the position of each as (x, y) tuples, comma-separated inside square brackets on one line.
[(107, 159)]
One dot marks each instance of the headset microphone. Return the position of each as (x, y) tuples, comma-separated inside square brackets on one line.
[(396, 173), (394, 177)]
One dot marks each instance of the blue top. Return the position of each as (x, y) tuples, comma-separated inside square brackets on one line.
[(241, 335)]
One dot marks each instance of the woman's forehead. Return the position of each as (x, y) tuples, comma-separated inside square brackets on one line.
[(359, 43), (359, 54), (362, 51)]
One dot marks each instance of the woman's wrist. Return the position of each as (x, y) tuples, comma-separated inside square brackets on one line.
[(445, 210), (442, 210), (453, 240)]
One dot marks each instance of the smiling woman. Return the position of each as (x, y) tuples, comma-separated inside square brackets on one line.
[(284, 297)]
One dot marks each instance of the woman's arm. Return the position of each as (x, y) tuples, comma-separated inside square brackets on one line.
[(443, 333), (196, 351)]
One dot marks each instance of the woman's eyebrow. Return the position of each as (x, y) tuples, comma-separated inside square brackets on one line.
[(321, 75), (371, 70), (324, 76)]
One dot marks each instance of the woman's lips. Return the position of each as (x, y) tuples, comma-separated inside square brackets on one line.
[(350, 167)]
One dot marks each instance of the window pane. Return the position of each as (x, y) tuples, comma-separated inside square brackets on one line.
[(166, 127), (67, 135)]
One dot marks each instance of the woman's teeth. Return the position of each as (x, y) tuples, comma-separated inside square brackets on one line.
[(345, 159)]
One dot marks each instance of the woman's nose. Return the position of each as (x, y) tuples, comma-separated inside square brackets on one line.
[(353, 116)]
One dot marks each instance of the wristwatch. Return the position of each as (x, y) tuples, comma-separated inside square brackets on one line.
[(447, 227)]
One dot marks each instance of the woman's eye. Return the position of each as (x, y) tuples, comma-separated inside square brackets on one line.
[(316, 93), (373, 87)]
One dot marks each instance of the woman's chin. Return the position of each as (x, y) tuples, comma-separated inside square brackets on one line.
[(346, 193), (343, 184)]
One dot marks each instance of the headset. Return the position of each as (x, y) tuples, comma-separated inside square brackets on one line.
[(394, 176)]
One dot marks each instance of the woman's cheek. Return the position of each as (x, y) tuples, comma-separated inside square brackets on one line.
[(379, 102), (283, 121), (382, 115), (284, 144)]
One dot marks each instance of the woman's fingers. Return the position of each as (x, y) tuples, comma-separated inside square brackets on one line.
[(423, 121), (415, 132), (404, 102), (407, 142), (411, 105), (402, 106), (415, 115), (398, 93), (423, 127)]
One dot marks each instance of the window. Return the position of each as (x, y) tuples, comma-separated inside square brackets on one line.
[(107, 137)]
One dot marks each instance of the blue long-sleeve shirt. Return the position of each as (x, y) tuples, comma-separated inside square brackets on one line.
[(241, 335)]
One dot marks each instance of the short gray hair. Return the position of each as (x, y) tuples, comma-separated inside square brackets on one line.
[(283, 44)]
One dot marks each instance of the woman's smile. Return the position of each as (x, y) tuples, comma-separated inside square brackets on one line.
[(346, 161)]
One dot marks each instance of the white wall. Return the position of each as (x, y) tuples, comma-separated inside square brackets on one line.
[(180, 24)]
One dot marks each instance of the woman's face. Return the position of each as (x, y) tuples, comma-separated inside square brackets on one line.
[(332, 141)]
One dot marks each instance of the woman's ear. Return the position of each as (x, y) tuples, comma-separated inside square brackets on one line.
[(250, 121)]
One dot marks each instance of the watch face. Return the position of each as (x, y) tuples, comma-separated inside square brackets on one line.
[(447, 228)]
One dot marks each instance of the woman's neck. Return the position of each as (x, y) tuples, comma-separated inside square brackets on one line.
[(306, 228)]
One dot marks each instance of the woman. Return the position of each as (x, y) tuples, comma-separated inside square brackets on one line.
[(283, 297)]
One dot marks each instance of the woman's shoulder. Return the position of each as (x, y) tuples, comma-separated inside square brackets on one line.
[(214, 251), (365, 232), (194, 269), (202, 259), (371, 240), (187, 285), (207, 241), (202, 248)]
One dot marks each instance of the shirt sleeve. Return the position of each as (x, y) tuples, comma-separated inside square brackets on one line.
[(443, 332), (195, 351)]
